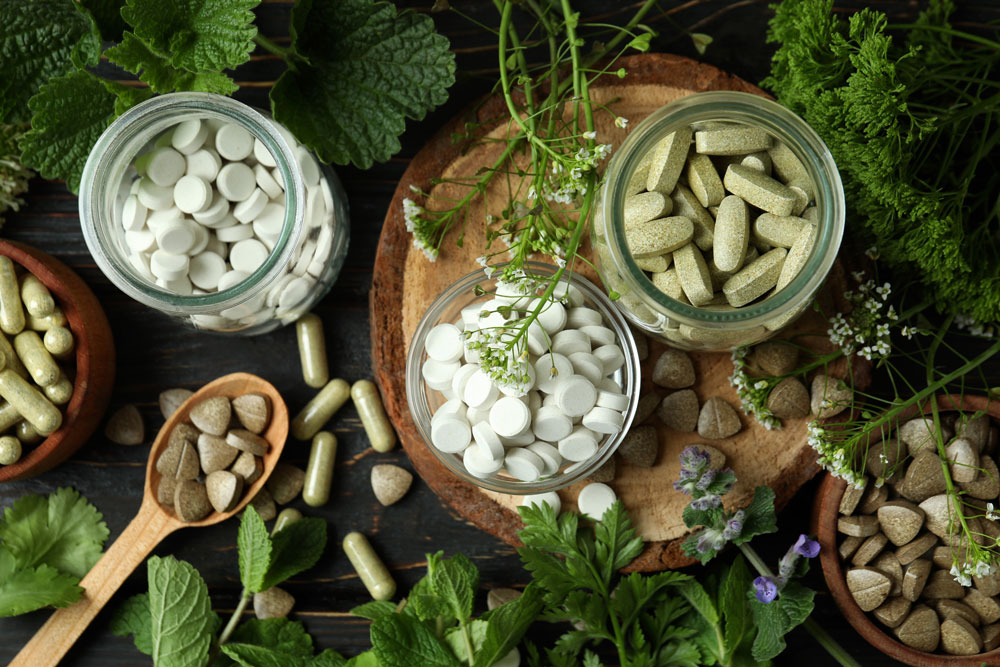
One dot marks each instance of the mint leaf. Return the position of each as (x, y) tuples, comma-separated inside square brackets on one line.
[(254, 545), (195, 35), (295, 549), (615, 540), (70, 113), (329, 658), (455, 581), (280, 634), (760, 517), (733, 602), (108, 16), (424, 603), (455, 639), (360, 71), (41, 39), (507, 624), (133, 55), (374, 610), (403, 641), (249, 655), (27, 589), (182, 620), (132, 618), (366, 659), (61, 530)]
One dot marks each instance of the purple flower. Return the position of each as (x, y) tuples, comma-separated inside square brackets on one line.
[(765, 589), (706, 502), (693, 458), (734, 527), (706, 480), (806, 547), (710, 540)]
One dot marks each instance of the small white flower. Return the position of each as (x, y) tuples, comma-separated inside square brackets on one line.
[(991, 512), (590, 135), (872, 253), (960, 576), (621, 122)]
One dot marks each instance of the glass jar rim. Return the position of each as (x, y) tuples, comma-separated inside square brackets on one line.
[(782, 123), (97, 180)]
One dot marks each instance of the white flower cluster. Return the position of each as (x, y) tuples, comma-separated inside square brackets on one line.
[(569, 178), (413, 216), (964, 573), (832, 454), (977, 329), (752, 392), (865, 331)]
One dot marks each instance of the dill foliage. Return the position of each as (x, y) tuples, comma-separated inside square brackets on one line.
[(913, 120)]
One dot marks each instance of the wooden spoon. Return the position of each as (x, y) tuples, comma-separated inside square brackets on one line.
[(151, 525)]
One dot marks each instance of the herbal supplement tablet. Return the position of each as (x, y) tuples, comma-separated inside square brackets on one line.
[(687, 205), (612, 400), (704, 181), (438, 374), (165, 166), (731, 139), (488, 441), (266, 182), (581, 316), (654, 264), (155, 197), (509, 416), (550, 368), (461, 378), (550, 456), (451, 434), (41, 366), (369, 567), (595, 499), (660, 236), (570, 341), (234, 234), (480, 392), (168, 266), (778, 231), (248, 209), (604, 420), (587, 365), (319, 472), (550, 498), (478, 463), (133, 214), (732, 231), (262, 154), (175, 237), (312, 349), (797, 255), (10, 450), (320, 409), (236, 181), (599, 335), (611, 356), (579, 445), (140, 241), (575, 395), (233, 142), (56, 319), (637, 181), (667, 160), (524, 464), (231, 279), (59, 342), (693, 275), (29, 402), (247, 256), (552, 317), (647, 206), (368, 403), (36, 297), (760, 161), (759, 190), (192, 193), (755, 279), (204, 163), (215, 213), (786, 165), (445, 342)]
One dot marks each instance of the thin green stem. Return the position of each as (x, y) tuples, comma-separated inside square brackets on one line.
[(967, 36), (824, 639), (467, 639), (263, 42), (234, 620), (755, 560)]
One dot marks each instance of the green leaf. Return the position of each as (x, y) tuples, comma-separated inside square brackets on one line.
[(425, 604), (62, 530), (133, 55), (693, 517), (132, 618), (295, 549), (454, 580), (366, 659), (733, 601), (249, 655), (760, 517), (108, 15), (507, 624), (329, 658), (27, 589), (701, 42), (590, 659), (254, 545), (182, 620), (365, 69), (280, 634), (127, 96), (615, 541), (776, 619), (403, 641), (70, 113), (696, 596), (195, 35), (455, 639), (374, 610), (796, 602), (41, 40)]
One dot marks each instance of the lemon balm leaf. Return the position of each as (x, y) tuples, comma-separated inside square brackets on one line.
[(182, 621), (359, 71), (135, 56)]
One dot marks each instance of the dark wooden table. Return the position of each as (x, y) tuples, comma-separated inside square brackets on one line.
[(155, 353)]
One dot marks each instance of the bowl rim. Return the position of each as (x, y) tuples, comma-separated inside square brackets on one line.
[(416, 388), (825, 512)]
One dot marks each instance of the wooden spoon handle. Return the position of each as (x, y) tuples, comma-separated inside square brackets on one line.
[(64, 627)]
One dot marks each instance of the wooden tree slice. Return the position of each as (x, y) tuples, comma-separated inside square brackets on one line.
[(405, 283)]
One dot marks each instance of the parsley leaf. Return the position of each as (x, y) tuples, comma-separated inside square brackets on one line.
[(42, 39), (359, 71), (63, 531), (108, 16), (182, 620), (27, 589), (295, 549), (132, 618), (254, 545), (399, 640), (134, 55)]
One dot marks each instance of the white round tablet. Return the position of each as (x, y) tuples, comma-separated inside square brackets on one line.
[(175, 237), (519, 440), (215, 213), (200, 239), (480, 392), (533, 400), (488, 441), (538, 340), (189, 135), (470, 317), (612, 400), (155, 197), (234, 233), (141, 240), (476, 415), (611, 356), (266, 182), (297, 290), (552, 317), (270, 220), (233, 142), (157, 219), (599, 335), (575, 395), (582, 316), (551, 425), (437, 373), (251, 207), (262, 154), (133, 214), (595, 499), (450, 434), (460, 379), (610, 385), (165, 166), (248, 255), (307, 163), (480, 464), (181, 286), (604, 420), (587, 365), (451, 408), (205, 270), (509, 416), (549, 368), (445, 342), (168, 266), (568, 293), (231, 279), (550, 498), (140, 261), (192, 193), (579, 445), (204, 163), (570, 341), (236, 181), (549, 455), (316, 213), (524, 464)]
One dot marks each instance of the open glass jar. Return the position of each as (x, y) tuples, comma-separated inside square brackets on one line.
[(296, 262), (715, 326)]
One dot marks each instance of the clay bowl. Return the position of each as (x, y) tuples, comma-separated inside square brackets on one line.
[(824, 525), (95, 362)]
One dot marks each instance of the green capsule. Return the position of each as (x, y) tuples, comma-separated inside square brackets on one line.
[(11, 360), (30, 402), (8, 416), (37, 299), (288, 516), (312, 350), (373, 572), (56, 319), (59, 392), (11, 310), (319, 472), (27, 433), (10, 450), (369, 405), (41, 366), (59, 342), (320, 409)]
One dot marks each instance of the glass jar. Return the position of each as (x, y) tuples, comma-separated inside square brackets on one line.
[(304, 258), (707, 328)]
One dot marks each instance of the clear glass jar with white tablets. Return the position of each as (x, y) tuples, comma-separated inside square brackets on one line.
[(208, 210)]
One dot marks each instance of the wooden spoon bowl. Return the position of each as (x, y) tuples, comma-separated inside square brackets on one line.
[(151, 524)]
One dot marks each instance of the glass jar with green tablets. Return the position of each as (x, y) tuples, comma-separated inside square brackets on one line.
[(719, 219)]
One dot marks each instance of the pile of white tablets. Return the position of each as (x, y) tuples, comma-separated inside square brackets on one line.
[(567, 403), (203, 209)]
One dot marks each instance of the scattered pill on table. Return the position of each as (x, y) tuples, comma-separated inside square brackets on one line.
[(370, 568), (319, 471), (368, 403)]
